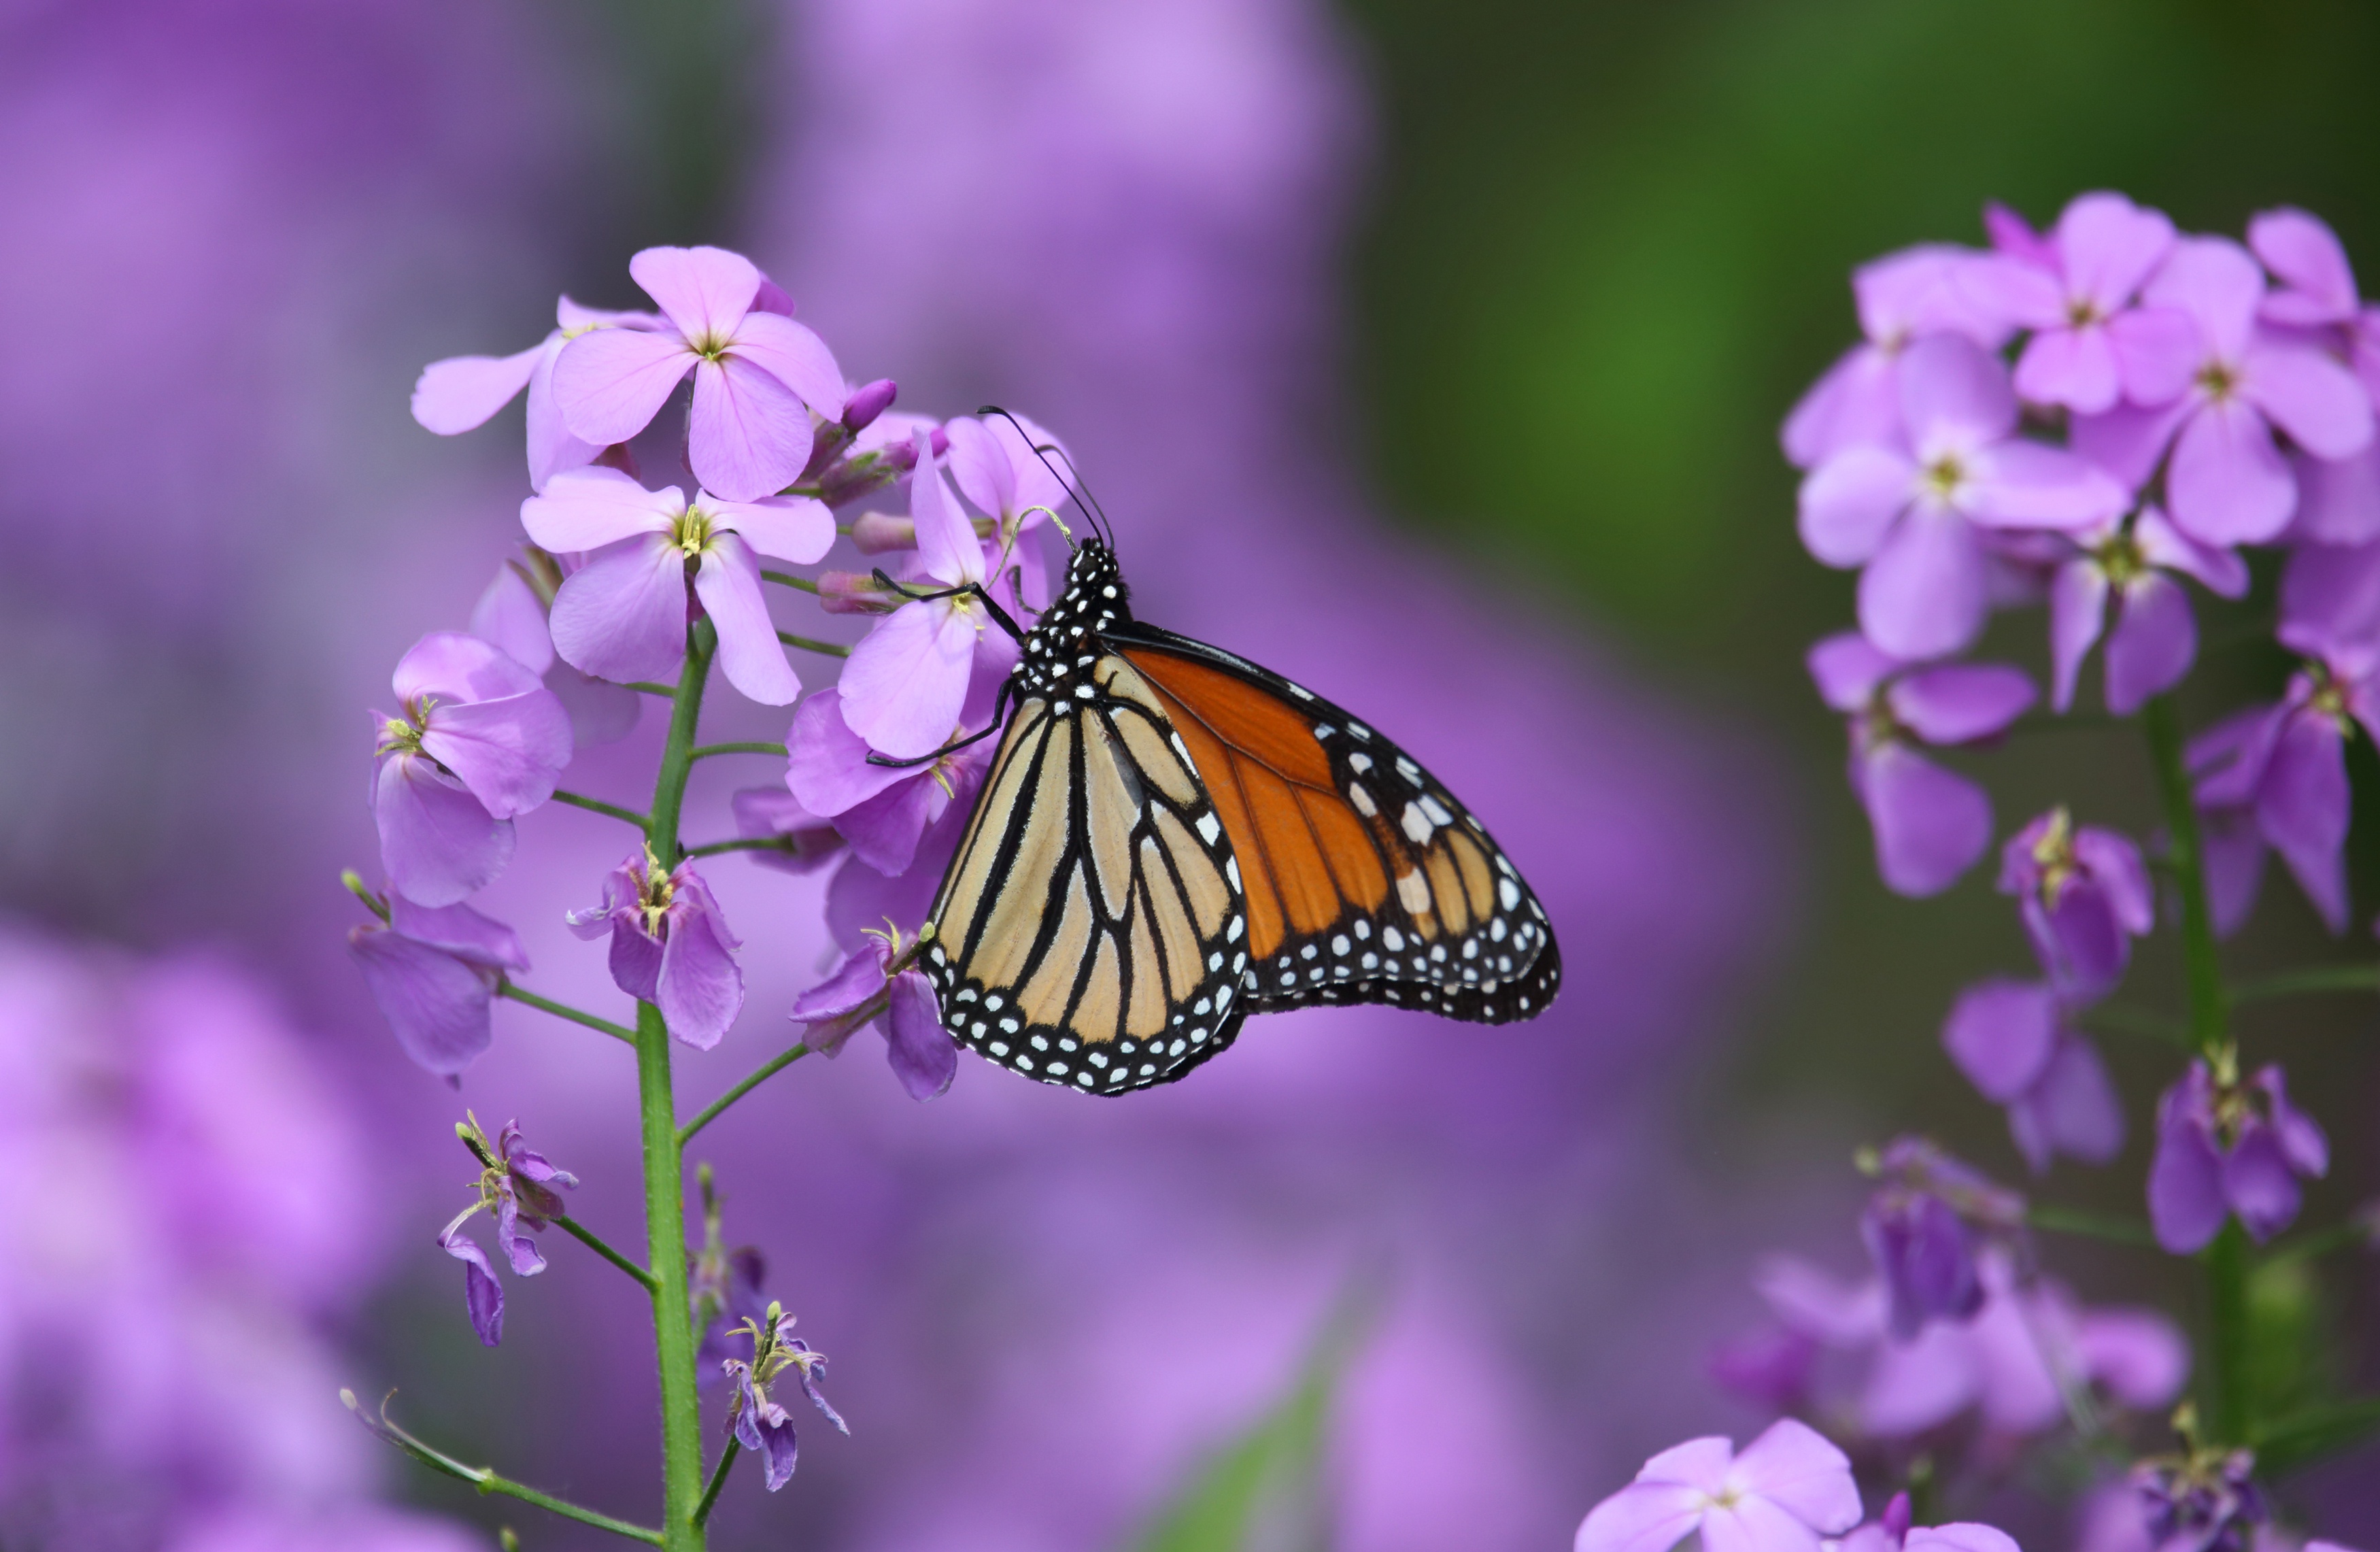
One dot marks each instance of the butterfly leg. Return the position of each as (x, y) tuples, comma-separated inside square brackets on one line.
[(998, 715)]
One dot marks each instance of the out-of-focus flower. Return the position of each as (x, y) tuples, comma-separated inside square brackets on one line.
[(906, 682), (866, 989), (1789, 1488), (1930, 824), (2225, 1147), (759, 1423), (763, 812), (2338, 500), (1909, 511), (462, 392), (2204, 1499), (432, 970), (623, 614), (512, 614), (2014, 1043), (882, 810), (1921, 1228), (1900, 297), (480, 741), (2074, 290), (2133, 571), (670, 946), (517, 1186), (723, 1286), (758, 374), (1891, 1532), (2225, 481), (2085, 896)]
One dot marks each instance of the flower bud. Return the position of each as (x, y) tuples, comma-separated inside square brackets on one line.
[(867, 402)]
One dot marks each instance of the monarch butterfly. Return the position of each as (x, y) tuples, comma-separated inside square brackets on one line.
[(1170, 838)]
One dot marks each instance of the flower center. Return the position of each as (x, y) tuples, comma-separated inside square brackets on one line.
[(2120, 560), (1942, 479), (2081, 313), (710, 347), (690, 531), (2053, 853), (654, 896), (2218, 381), (399, 737)]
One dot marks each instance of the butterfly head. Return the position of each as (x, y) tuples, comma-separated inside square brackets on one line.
[(1093, 600)]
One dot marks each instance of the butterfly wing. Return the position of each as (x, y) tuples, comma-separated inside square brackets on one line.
[(1091, 929), (1366, 880)]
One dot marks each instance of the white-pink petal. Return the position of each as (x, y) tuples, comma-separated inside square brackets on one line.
[(609, 384), (1847, 504), (796, 529), (747, 435), (462, 391), (1642, 1517), (947, 550), (728, 582), (2309, 394), (452, 666), (588, 508), (905, 683), (705, 291), (511, 617), (2215, 281), (622, 616), (1795, 1466), (794, 355), (2226, 483)]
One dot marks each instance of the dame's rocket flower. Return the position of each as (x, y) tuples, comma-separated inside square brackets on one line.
[(623, 615), (1789, 1488), (2134, 572), (670, 946), (866, 989), (2016, 1044), (759, 1423), (1930, 824), (1891, 1532), (516, 1186), (432, 970), (759, 376), (905, 683), (1901, 298), (462, 392), (512, 614), (2225, 481), (882, 810), (2074, 290), (809, 840), (480, 741), (2085, 896), (1922, 1228), (1910, 511), (2225, 1147)]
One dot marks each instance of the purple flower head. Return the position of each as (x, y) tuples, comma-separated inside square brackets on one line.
[(516, 1185), (1930, 824), (2135, 573), (2074, 290), (623, 615), (882, 810), (2216, 403), (1900, 297), (997, 468), (759, 376), (479, 740), (1911, 511), (2085, 896), (2014, 1042), (462, 392), (2225, 1147), (1891, 1532), (1788, 1489), (1921, 1230), (867, 988), (809, 841), (2204, 1499), (759, 1423), (432, 970), (670, 946), (512, 614), (906, 682)]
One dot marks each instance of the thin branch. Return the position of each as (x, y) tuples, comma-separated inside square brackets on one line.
[(2115, 1018), (2314, 978), (759, 1075), (585, 1236), (2090, 1225), (2356, 1231), (787, 579), (646, 686), (486, 1480), (829, 649), (748, 843), (565, 1011), (597, 805), (753, 747), (718, 1480)]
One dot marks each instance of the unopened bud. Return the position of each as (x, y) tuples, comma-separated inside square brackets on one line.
[(878, 533), (867, 402), (852, 592)]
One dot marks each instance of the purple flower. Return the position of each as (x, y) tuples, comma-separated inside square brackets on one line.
[(1909, 511), (2205, 1500), (1891, 1532), (757, 1423), (810, 841), (2133, 571), (2224, 1147), (669, 947), (516, 1185), (480, 741), (1920, 1229), (1930, 824), (2085, 896), (906, 682), (623, 615), (995, 468), (433, 969), (512, 614), (1900, 297), (2014, 1043), (1789, 1488), (2225, 482), (462, 392), (881, 810), (2075, 291), (865, 988), (758, 374)]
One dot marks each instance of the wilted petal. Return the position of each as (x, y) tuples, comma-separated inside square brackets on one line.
[(462, 391), (1930, 824), (2078, 607), (1961, 702), (588, 508), (436, 1004), (705, 291), (609, 384), (438, 844), (728, 582), (853, 985), (2155, 641), (923, 1055), (749, 435), (1923, 596), (622, 615), (2259, 1183), (701, 986), (795, 356), (2186, 1201), (1847, 668), (2309, 394), (483, 1295), (511, 616), (2228, 483), (2001, 1033)]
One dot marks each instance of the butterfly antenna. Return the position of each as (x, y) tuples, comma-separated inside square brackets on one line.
[(1093, 514)]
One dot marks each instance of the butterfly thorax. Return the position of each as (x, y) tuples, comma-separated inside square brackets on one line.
[(1063, 643)]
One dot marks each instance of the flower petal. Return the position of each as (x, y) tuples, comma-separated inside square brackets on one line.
[(2215, 281), (2226, 483), (2186, 1202), (2128, 442), (1798, 1469), (2023, 484), (1847, 504), (1846, 670), (2338, 500), (2001, 1033), (622, 615), (1753, 1524), (2158, 350), (764, 813), (852, 985), (948, 549), (511, 617), (436, 1004), (2071, 367), (705, 291), (2109, 246), (747, 435), (460, 932), (700, 988), (1923, 594), (2302, 807), (1856, 404), (2309, 394), (483, 1295), (2259, 1183), (1953, 390), (2021, 295), (2301, 1137), (828, 768), (1641, 1516), (905, 683), (1930, 824), (588, 508), (796, 529), (923, 1055), (2078, 607), (510, 753), (2219, 571), (449, 666), (795, 357), (552, 448), (2306, 255), (438, 844), (2137, 1354), (464, 392), (609, 384), (2154, 642), (728, 582), (1959, 703), (2072, 1110)]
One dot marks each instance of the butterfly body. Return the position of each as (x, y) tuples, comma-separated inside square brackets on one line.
[(1170, 838)]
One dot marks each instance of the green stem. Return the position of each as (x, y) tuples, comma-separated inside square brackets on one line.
[(2319, 1242), (748, 843), (596, 805), (487, 1481), (829, 649), (2315, 978), (751, 747), (787, 579), (2205, 970), (2115, 1018), (646, 686), (2227, 1322), (585, 1236), (757, 1076), (677, 754), (565, 1011), (2090, 1225), (718, 1480)]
